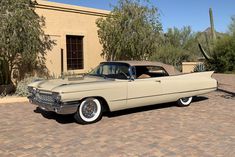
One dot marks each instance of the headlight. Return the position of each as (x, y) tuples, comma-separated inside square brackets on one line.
[(30, 89), (56, 96)]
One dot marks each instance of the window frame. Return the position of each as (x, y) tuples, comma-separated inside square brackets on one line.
[(76, 42)]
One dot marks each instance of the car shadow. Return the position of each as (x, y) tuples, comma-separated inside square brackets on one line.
[(63, 119), (150, 107), (199, 98), (228, 94), (66, 119)]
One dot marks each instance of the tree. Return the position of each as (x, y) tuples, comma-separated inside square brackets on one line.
[(130, 32), (232, 25), (178, 46), (23, 43)]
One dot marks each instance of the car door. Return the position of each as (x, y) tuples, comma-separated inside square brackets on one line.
[(143, 92)]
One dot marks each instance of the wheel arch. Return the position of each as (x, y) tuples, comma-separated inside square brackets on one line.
[(102, 101)]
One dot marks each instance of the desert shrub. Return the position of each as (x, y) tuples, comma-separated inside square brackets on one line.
[(223, 58), (199, 68), (6, 89), (21, 89)]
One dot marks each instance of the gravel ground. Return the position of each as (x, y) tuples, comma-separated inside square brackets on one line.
[(226, 81)]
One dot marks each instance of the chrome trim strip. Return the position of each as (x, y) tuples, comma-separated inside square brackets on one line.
[(59, 108)]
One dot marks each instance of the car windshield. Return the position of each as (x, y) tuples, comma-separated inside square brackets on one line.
[(111, 70)]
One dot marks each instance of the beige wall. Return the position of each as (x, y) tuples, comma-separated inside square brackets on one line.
[(188, 67), (62, 20)]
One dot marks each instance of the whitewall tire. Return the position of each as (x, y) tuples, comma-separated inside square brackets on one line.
[(184, 101), (89, 111)]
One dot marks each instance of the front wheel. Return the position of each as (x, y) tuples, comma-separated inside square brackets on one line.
[(89, 111), (183, 102)]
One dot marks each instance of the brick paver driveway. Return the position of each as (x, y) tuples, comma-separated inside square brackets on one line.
[(205, 129)]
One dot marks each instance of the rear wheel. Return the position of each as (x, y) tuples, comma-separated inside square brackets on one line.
[(183, 102), (89, 111)]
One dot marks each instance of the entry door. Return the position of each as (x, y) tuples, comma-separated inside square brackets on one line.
[(143, 91)]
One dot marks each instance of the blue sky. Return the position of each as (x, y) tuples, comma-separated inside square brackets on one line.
[(179, 13)]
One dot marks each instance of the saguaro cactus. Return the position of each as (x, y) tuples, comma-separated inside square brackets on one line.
[(212, 25)]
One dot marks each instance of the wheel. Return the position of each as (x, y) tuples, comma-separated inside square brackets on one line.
[(89, 111), (184, 101)]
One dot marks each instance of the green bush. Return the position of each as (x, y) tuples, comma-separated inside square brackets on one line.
[(21, 89), (223, 58)]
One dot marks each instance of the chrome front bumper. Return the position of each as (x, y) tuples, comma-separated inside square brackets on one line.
[(60, 108)]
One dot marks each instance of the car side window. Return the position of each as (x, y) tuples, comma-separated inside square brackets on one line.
[(150, 72)]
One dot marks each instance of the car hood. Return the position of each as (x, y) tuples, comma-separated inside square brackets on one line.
[(51, 85)]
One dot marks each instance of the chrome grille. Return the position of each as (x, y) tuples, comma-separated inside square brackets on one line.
[(44, 98)]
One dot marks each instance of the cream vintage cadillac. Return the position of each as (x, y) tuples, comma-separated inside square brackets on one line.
[(119, 85)]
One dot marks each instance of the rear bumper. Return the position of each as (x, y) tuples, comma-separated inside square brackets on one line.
[(59, 108)]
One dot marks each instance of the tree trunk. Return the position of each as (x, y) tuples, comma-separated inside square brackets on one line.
[(6, 73)]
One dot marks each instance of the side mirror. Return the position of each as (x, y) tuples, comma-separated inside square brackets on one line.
[(132, 73)]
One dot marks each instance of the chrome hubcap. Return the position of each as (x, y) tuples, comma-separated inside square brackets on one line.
[(185, 99), (89, 109)]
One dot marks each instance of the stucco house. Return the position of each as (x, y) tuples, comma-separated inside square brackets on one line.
[(74, 30)]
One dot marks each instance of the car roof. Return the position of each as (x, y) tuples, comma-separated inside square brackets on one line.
[(169, 68), (138, 63)]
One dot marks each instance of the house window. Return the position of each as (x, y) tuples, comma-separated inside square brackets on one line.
[(74, 52)]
